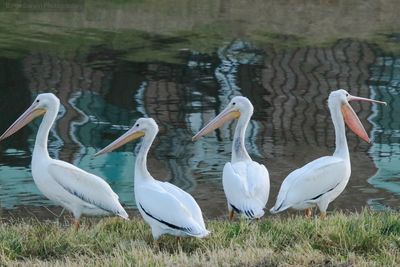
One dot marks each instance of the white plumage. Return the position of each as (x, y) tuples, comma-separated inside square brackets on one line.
[(245, 182), (169, 210), (76, 190), (246, 188), (164, 206), (316, 184), (94, 195), (321, 181)]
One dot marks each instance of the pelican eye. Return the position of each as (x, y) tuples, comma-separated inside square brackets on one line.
[(37, 101), (233, 103), (137, 125), (347, 94)]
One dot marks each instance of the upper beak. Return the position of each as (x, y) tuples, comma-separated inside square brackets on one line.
[(31, 113), (122, 140), (352, 120), (226, 115), (357, 98)]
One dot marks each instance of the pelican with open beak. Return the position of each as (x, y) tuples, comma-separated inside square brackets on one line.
[(321, 181), (76, 190), (164, 206), (245, 182)]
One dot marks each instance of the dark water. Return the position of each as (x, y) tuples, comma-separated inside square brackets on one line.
[(180, 63)]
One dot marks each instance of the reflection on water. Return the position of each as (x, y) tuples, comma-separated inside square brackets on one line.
[(385, 151), (105, 87)]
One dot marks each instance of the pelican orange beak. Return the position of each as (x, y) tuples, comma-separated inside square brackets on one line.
[(352, 120), (129, 136), (226, 115), (31, 113)]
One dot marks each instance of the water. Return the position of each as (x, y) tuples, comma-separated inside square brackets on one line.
[(180, 64)]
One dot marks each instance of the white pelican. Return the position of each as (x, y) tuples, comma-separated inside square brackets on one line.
[(245, 182), (76, 190), (322, 180), (165, 207)]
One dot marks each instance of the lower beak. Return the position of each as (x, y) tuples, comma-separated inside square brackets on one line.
[(125, 138), (217, 122), (352, 120), (31, 113)]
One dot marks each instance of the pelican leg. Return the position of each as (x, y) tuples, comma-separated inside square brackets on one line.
[(62, 212), (178, 241), (323, 215), (156, 244), (308, 213), (231, 215), (77, 224)]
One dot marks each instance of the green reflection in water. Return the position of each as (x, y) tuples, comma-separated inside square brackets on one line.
[(104, 35), (385, 149), (116, 168)]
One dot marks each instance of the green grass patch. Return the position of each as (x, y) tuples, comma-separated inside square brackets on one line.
[(357, 239)]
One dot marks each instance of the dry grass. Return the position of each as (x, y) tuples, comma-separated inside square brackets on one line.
[(362, 239)]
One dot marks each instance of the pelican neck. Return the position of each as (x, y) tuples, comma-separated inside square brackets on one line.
[(239, 152), (342, 149), (141, 172), (42, 135)]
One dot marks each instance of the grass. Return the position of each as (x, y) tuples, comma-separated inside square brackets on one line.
[(357, 239)]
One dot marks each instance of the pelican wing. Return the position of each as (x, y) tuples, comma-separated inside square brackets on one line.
[(258, 181), (86, 186), (189, 202), (166, 207), (246, 186), (308, 183)]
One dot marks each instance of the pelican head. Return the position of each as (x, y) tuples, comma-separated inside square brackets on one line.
[(238, 106), (142, 127), (40, 106), (342, 98)]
